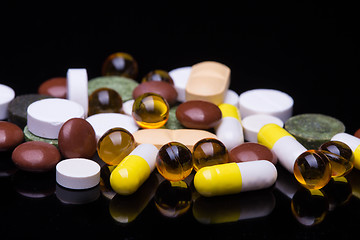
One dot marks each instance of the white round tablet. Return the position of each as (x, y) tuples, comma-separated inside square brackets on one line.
[(180, 77), (46, 117), (102, 122), (253, 123), (78, 173), (266, 101), (7, 94), (77, 87)]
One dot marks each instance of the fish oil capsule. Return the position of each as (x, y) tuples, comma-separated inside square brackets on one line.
[(312, 169), (229, 130), (231, 178), (150, 110), (208, 152), (134, 169)]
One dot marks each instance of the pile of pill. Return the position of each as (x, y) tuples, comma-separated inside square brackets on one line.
[(179, 122)]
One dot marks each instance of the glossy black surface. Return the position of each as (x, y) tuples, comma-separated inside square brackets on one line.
[(306, 49)]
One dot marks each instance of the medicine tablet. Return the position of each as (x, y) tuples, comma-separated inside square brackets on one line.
[(78, 173), (180, 77), (45, 117), (102, 122), (7, 94), (77, 87), (253, 123), (266, 101), (231, 97)]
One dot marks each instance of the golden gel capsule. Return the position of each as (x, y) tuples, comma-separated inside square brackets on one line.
[(231, 178), (134, 169)]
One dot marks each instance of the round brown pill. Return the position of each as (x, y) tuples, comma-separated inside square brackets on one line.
[(77, 139), (55, 87), (357, 133), (164, 89), (198, 114), (251, 152), (36, 156), (10, 136)]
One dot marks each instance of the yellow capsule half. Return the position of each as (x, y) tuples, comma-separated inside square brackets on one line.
[(232, 178)]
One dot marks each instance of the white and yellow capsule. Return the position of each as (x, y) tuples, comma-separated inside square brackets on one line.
[(354, 144), (229, 131), (232, 178), (134, 169), (282, 143)]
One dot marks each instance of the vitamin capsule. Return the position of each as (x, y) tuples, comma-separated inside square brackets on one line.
[(231, 178), (134, 169), (229, 131), (282, 143), (353, 143)]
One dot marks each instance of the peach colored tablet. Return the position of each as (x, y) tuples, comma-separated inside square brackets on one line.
[(208, 81), (159, 137)]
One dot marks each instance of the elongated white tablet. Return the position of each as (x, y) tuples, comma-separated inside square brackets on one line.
[(7, 94), (77, 87), (78, 173), (180, 77), (46, 117), (266, 101), (253, 123), (102, 122)]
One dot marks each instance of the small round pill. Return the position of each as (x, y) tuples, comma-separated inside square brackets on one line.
[(36, 156), (55, 87), (10, 136), (164, 89), (78, 173)]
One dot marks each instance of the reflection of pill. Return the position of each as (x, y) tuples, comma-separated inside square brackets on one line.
[(6, 95), (266, 101), (78, 173), (231, 178), (134, 169), (45, 117)]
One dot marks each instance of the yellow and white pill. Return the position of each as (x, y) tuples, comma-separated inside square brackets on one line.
[(232, 178), (354, 144), (134, 169)]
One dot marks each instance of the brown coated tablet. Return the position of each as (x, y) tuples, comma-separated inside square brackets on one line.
[(198, 114), (357, 133), (55, 87), (251, 152), (77, 139), (164, 89), (10, 136), (36, 156)]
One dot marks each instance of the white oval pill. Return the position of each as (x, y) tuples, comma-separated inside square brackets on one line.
[(231, 97), (180, 77), (78, 173), (7, 94), (230, 132), (77, 87), (102, 122), (266, 101), (46, 117), (253, 123)]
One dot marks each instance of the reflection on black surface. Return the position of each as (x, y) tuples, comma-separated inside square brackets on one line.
[(72, 196), (125, 209), (173, 199), (338, 192), (309, 206), (7, 166), (232, 208), (34, 185)]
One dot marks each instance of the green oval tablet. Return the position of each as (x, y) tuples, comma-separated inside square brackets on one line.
[(124, 86), (313, 129)]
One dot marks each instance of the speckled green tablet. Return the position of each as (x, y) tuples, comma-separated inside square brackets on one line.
[(17, 109), (31, 137), (172, 122), (124, 86), (312, 129)]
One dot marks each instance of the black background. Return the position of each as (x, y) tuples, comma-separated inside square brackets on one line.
[(308, 49)]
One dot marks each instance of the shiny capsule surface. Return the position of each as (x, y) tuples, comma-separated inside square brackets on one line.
[(120, 64), (104, 100)]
